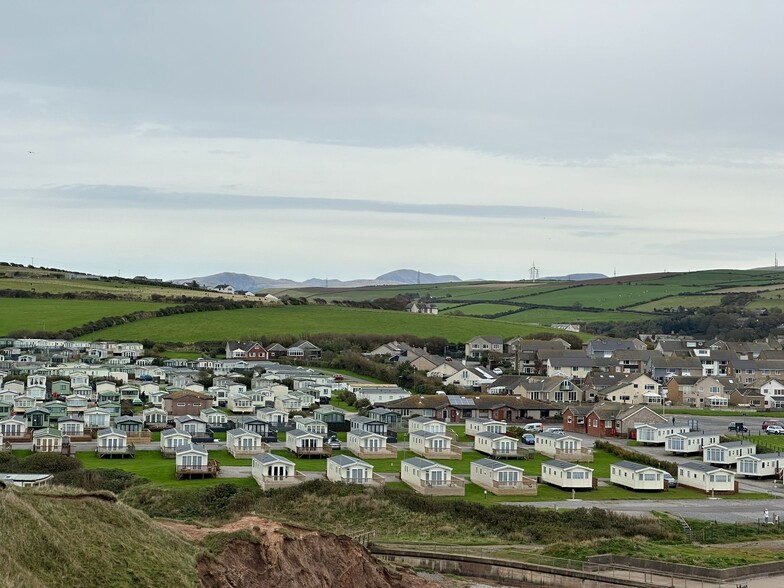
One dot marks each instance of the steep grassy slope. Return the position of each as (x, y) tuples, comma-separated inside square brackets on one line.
[(64, 538)]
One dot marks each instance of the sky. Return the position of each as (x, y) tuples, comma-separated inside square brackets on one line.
[(345, 139)]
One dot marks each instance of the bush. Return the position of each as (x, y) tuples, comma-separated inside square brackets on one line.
[(47, 463), (667, 466), (116, 481)]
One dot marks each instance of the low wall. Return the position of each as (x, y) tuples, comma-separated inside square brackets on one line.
[(723, 575)]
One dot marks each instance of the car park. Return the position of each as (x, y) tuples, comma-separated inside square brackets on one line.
[(737, 427), (774, 429)]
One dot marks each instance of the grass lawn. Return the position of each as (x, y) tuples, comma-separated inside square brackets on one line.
[(54, 315), (337, 402), (352, 375), (180, 354), (460, 432), (609, 296), (150, 465), (271, 322), (548, 316)]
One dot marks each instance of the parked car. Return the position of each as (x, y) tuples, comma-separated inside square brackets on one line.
[(766, 424), (737, 427), (554, 430), (533, 428), (774, 429), (529, 439), (333, 443), (672, 482)]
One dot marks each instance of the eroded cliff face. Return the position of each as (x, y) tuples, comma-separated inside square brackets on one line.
[(278, 555)]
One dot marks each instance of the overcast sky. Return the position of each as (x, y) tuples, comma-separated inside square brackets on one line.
[(346, 139)]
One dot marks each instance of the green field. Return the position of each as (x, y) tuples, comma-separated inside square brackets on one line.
[(301, 320), (548, 316), (608, 297), (481, 309), (55, 315), (698, 301)]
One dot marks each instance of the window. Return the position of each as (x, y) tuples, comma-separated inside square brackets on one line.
[(180, 404), (569, 420)]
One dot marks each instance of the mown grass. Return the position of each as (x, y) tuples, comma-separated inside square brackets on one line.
[(53, 541), (700, 301), (252, 323), (56, 315), (547, 316), (610, 296)]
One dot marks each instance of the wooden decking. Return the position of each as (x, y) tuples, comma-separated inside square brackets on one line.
[(526, 486), (205, 471), (324, 451), (273, 482), (244, 452), (388, 452), (429, 453), (112, 452), (454, 487), (578, 455)]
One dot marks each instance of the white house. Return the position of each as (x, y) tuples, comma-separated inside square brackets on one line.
[(272, 415), (306, 444), (96, 418), (705, 477), (193, 461), (171, 439), (422, 423), (496, 444), (13, 427), (243, 443), (727, 453), (562, 447), (240, 404), (657, 433), (351, 470), (430, 478), (369, 445), (476, 425), (502, 478), (113, 442), (686, 443), (760, 465), (311, 425), (637, 476), (273, 471), (569, 476), (433, 445)]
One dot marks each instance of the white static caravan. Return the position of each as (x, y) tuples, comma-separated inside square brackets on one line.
[(421, 423), (687, 443), (502, 478), (656, 434), (243, 443), (305, 444), (433, 445), (637, 476), (569, 476), (705, 477), (484, 425), (351, 470), (171, 439), (562, 447), (496, 445), (369, 445), (272, 415), (727, 453), (273, 471), (761, 465), (430, 478)]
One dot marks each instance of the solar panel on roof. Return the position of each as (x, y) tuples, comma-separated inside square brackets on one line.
[(455, 400)]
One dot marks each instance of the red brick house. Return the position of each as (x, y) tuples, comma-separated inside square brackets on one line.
[(609, 419), (574, 418), (250, 350), (186, 402)]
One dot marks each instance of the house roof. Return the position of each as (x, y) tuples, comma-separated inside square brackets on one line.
[(347, 460), (634, 466), (424, 464), (565, 465), (190, 448), (177, 394), (268, 458), (702, 467), (495, 465)]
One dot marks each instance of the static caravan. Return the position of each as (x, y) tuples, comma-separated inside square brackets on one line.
[(705, 477), (421, 423), (351, 470), (727, 453), (496, 445), (243, 443), (502, 478), (566, 475), (433, 445), (430, 478), (369, 445), (171, 439), (637, 476), (273, 471), (562, 447), (656, 434), (484, 425), (687, 443), (761, 465), (306, 444)]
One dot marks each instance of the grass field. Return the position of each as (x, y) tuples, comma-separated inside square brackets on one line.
[(55, 315), (699, 301), (547, 316), (300, 320), (608, 297), (481, 309)]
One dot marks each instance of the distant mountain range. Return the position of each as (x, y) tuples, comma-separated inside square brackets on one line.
[(256, 283), (576, 277)]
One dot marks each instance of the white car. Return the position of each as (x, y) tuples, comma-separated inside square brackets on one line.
[(554, 430), (775, 430), (533, 428)]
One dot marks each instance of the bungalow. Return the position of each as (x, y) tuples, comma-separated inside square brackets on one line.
[(430, 478), (727, 454), (13, 428), (273, 471), (192, 460), (760, 465), (240, 404), (186, 402), (329, 415), (484, 425), (705, 477), (562, 447), (574, 419), (350, 470), (501, 478), (113, 442), (37, 417), (48, 440), (637, 476), (243, 443), (369, 445), (272, 415), (686, 443), (96, 418), (496, 445), (568, 476), (306, 444), (171, 439), (433, 445), (303, 350), (155, 418), (608, 419), (657, 433), (196, 426)]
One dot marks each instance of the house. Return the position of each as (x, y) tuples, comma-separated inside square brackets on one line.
[(634, 389), (96, 418), (657, 433), (479, 346), (250, 350), (48, 440), (420, 307), (369, 445), (192, 461), (272, 415), (568, 476), (484, 425), (186, 402), (330, 416), (471, 377), (563, 447), (607, 347), (171, 439), (661, 368), (113, 442), (727, 454), (303, 350), (608, 419), (501, 478), (305, 444), (569, 366), (637, 476), (574, 419), (497, 445), (196, 426), (430, 478), (224, 289), (273, 471), (705, 477), (433, 445), (350, 470), (761, 465), (243, 443), (455, 408), (155, 418), (687, 443), (14, 428)]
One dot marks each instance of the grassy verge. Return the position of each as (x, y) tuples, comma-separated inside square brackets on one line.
[(718, 412)]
